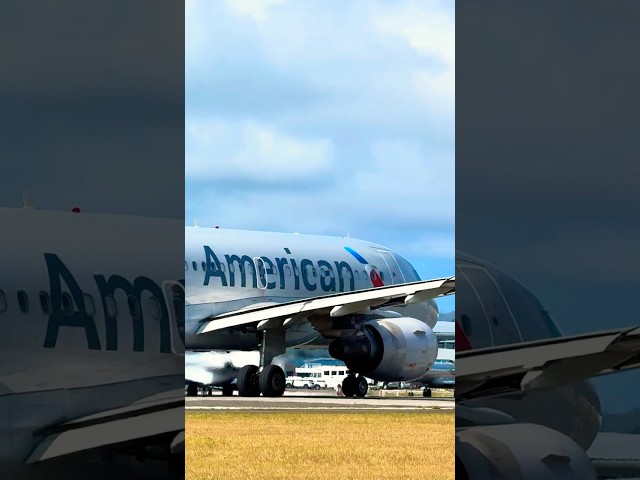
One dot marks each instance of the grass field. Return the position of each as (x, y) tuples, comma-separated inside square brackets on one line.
[(319, 445)]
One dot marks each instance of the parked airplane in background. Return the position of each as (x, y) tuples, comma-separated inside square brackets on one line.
[(269, 291), (524, 406), (92, 342)]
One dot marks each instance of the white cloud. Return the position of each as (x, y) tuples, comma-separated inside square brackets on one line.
[(430, 30), (257, 10), (219, 149)]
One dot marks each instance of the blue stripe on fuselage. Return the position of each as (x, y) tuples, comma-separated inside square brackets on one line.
[(357, 255)]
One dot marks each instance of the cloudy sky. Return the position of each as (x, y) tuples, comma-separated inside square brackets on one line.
[(324, 117)]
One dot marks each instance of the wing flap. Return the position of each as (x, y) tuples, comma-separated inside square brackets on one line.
[(134, 422), (339, 304)]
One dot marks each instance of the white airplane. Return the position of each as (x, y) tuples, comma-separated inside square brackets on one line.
[(524, 406), (92, 341), (269, 291)]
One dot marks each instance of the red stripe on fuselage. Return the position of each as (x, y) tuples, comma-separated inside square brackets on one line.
[(375, 279), (462, 342)]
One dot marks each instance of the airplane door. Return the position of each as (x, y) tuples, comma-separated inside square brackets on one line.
[(392, 267), (174, 298), (261, 273)]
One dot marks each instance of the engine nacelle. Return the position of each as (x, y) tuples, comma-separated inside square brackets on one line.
[(519, 451), (388, 349)]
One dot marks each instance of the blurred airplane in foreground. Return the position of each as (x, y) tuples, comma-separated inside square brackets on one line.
[(524, 405)]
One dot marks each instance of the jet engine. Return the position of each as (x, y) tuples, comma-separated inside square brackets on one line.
[(519, 451), (388, 349)]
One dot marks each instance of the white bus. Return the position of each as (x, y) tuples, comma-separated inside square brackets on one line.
[(324, 375)]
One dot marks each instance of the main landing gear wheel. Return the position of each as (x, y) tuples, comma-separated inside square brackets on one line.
[(349, 386), (192, 390), (272, 381), (248, 381), (426, 392), (361, 386)]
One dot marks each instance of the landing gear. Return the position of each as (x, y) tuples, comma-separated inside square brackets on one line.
[(192, 390), (272, 381), (426, 392), (361, 386), (349, 386), (268, 379), (248, 381), (353, 385)]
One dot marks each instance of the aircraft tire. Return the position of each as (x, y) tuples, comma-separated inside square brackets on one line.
[(361, 386), (248, 385), (349, 386), (426, 392), (272, 381), (192, 390)]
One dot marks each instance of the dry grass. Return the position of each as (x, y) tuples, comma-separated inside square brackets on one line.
[(319, 445)]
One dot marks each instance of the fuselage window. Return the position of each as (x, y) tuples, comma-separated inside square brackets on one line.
[(333, 372), (3, 302), (186, 266), (23, 301), (154, 308), (326, 372), (204, 267), (89, 305), (296, 271), (194, 264), (67, 303), (313, 272), (222, 267), (134, 306), (232, 267), (382, 275), (357, 274), (45, 302), (111, 306), (287, 270)]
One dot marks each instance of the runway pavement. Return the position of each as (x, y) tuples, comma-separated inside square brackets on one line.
[(296, 400)]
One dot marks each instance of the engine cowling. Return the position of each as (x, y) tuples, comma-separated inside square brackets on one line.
[(519, 451), (388, 349)]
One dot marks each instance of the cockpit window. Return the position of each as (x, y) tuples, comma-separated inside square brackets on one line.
[(534, 322)]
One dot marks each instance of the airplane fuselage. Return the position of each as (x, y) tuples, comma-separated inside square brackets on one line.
[(230, 270), (92, 319)]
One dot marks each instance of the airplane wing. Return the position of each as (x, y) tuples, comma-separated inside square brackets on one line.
[(546, 363), (336, 305), (158, 415)]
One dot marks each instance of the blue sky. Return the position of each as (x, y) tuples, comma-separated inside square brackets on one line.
[(325, 117)]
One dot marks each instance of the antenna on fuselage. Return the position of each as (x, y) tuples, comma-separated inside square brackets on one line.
[(26, 200)]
